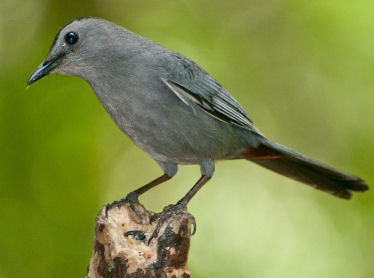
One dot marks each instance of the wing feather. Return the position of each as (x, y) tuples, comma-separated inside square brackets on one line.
[(194, 86)]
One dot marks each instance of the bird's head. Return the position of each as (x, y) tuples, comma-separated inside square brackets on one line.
[(78, 48)]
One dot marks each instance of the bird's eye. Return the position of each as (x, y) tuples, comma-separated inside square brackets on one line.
[(71, 37)]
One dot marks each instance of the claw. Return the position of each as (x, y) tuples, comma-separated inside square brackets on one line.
[(163, 216), (155, 232), (130, 198), (194, 225)]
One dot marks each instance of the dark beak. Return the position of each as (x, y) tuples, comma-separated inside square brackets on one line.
[(43, 69)]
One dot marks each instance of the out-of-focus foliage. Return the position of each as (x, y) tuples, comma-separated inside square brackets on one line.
[(304, 71)]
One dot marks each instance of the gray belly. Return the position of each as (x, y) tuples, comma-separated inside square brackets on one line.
[(170, 131)]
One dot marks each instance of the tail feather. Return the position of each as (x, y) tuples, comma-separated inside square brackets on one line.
[(303, 169)]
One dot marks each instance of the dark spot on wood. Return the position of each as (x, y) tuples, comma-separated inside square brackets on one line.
[(100, 250), (179, 242), (138, 235), (118, 268)]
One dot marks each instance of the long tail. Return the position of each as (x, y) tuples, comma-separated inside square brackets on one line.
[(303, 169)]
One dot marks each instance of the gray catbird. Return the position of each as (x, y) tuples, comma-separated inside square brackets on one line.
[(173, 109)]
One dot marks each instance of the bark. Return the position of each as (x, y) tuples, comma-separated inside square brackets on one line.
[(122, 247)]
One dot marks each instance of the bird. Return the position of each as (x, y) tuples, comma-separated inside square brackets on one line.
[(173, 109)]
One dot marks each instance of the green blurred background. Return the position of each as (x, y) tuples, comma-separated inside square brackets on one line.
[(302, 69)]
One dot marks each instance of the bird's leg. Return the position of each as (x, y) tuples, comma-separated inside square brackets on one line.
[(169, 168), (132, 197), (198, 185), (179, 207)]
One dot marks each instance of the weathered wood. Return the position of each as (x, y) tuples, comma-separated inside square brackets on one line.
[(121, 243)]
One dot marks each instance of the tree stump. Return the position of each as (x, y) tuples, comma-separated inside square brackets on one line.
[(122, 247)]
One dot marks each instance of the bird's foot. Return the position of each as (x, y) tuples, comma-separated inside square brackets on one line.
[(131, 199), (168, 212)]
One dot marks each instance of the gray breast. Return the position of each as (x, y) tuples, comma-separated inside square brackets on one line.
[(164, 127)]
